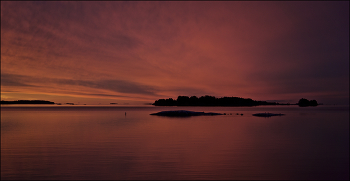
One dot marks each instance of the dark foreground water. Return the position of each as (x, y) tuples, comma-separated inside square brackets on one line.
[(56, 142)]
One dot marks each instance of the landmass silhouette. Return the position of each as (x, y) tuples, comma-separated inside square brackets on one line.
[(211, 101), (193, 101), (27, 102), (304, 102)]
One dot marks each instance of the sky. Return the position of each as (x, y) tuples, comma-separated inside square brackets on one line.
[(137, 52)]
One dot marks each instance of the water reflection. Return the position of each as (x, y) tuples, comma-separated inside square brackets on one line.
[(107, 144)]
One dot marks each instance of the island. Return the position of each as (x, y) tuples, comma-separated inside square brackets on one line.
[(184, 113), (305, 103), (211, 101), (27, 102)]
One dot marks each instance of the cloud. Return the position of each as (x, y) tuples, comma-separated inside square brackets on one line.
[(120, 86), (15, 80), (62, 28), (116, 86)]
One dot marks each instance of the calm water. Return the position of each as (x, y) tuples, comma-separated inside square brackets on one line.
[(56, 142)]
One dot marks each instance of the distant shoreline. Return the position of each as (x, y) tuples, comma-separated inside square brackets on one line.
[(213, 101), (27, 102), (203, 101)]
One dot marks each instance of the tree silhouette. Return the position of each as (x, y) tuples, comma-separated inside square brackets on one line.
[(304, 102), (210, 101)]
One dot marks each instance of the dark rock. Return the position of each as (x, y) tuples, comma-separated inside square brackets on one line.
[(184, 113), (267, 114)]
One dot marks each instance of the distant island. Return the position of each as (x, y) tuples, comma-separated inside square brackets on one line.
[(27, 102), (211, 101), (304, 102)]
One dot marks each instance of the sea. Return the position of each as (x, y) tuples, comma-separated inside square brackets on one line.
[(82, 142)]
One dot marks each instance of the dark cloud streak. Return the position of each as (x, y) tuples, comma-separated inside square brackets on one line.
[(118, 86), (15, 80)]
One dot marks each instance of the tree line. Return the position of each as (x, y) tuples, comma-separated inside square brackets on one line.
[(210, 101), (27, 102)]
